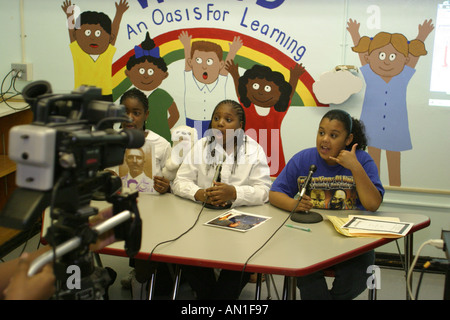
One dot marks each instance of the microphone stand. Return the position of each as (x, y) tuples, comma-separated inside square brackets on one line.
[(306, 216)]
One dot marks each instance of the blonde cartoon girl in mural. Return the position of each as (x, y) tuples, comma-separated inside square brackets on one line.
[(388, 62), (205, 79), (266, 96), (92, 38), (146, 71)]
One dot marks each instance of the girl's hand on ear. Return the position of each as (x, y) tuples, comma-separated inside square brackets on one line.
[(346, 158)]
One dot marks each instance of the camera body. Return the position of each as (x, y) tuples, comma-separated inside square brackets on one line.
[(61, 154), (61, 157)]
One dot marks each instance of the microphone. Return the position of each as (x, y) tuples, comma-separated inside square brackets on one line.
[(306, 216), (217, 173), (216, 178), (218, 170), (307, 182)]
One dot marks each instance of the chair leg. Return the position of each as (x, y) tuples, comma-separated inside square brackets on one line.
[(373, 294), (258, 286), (289, 288), (269, 279), (151, 287), (176, 284)]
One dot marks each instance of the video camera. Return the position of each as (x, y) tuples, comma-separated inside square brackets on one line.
[(61, 157)]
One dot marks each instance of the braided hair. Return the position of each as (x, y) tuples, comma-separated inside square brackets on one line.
[(137, 94), (240, 139)]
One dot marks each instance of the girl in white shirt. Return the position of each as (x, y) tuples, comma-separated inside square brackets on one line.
[(245, 174), (244, 180)]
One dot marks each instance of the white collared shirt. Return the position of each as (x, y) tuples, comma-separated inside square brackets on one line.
[(251, 177)]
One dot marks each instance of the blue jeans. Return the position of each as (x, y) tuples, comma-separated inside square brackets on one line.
[(349, 282)]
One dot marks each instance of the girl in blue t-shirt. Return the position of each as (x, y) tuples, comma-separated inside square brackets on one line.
[(342, 164), (345, 174)]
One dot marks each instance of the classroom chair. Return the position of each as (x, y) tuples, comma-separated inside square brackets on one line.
[(372, 291), (269, 280), (372, 295)]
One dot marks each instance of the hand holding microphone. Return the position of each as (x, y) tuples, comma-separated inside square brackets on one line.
[(307, 182), (219, 194), (305, 203), (302, 213)]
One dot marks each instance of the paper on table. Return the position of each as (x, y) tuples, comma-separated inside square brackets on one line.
[(237, 220), (338, 222), (371, 226), (377, 225)]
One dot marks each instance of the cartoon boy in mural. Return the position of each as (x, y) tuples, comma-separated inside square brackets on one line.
[(146, 71), (266, 97), (92, 38), (205, 79), (388, 62)]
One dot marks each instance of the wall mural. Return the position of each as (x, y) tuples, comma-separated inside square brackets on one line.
[(92, 38), (146, 70), (211, 56), (388, 62), (267, 79)]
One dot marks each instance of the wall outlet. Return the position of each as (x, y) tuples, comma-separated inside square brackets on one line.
[(24, 70)]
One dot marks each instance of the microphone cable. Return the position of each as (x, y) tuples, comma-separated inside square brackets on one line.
[(273, 234), (312, 169), (182, 234), (217, 173)]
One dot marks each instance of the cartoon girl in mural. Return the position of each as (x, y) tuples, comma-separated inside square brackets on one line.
[(388, 62), (146, 71), (92, 38), (266, 96)]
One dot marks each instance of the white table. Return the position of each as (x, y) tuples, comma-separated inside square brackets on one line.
[(291, 252)]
